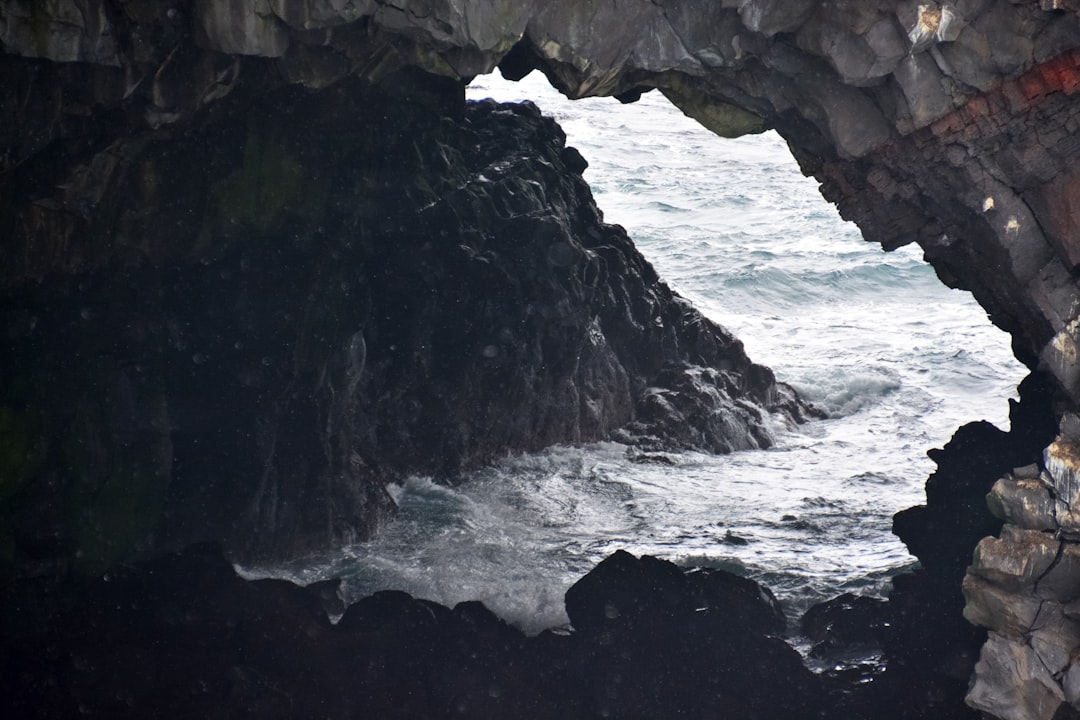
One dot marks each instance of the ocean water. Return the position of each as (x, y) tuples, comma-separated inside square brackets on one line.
[(897, 360)]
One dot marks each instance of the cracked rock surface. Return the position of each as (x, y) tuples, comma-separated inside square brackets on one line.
[(953, 125), (1024, 586)]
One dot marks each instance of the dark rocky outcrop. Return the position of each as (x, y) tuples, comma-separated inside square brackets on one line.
[(926, 645), (845, 623), (185, 637), (912, 657), (625, 589), (1023, 586), (303, 321), (702, 407), (654, 640), (948, 124)]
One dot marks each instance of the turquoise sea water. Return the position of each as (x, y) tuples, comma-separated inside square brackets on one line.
[(898, 360)]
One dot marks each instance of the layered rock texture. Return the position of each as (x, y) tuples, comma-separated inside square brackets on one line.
[(1024, 586), (258, 257), (952, 125), (927, 643)]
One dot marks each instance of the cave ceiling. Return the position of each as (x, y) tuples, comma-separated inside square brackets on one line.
[(952, 125)]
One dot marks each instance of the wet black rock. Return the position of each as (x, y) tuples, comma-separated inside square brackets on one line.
[(655, 640), (691, 407), (193, 351), (628, 589), (317, 292), (928, 644), (186, 637), (844, 623)]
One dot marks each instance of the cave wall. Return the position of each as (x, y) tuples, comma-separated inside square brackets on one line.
[(1023, 586)]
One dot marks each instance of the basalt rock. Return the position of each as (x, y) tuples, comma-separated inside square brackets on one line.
[(845, 623), (927, 645), (652, 640), (298, 300), (948, 124), (185, 637), (951, 125), (699, 407), (626, 589), (1024, 586)]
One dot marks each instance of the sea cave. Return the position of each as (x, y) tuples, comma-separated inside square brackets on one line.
[(263, 262)]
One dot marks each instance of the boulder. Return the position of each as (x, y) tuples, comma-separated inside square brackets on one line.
[(689, 407), (844, 623), (652, 640), (624, 589)]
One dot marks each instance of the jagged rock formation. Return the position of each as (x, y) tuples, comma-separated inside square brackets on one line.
[(1024, 585), (954, 125), (311, 320), (950, 125), (927, 645)]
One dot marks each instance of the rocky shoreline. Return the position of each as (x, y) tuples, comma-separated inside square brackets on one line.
[(184, 636)]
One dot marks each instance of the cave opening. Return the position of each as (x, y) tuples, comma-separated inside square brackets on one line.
[(896, 360)]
